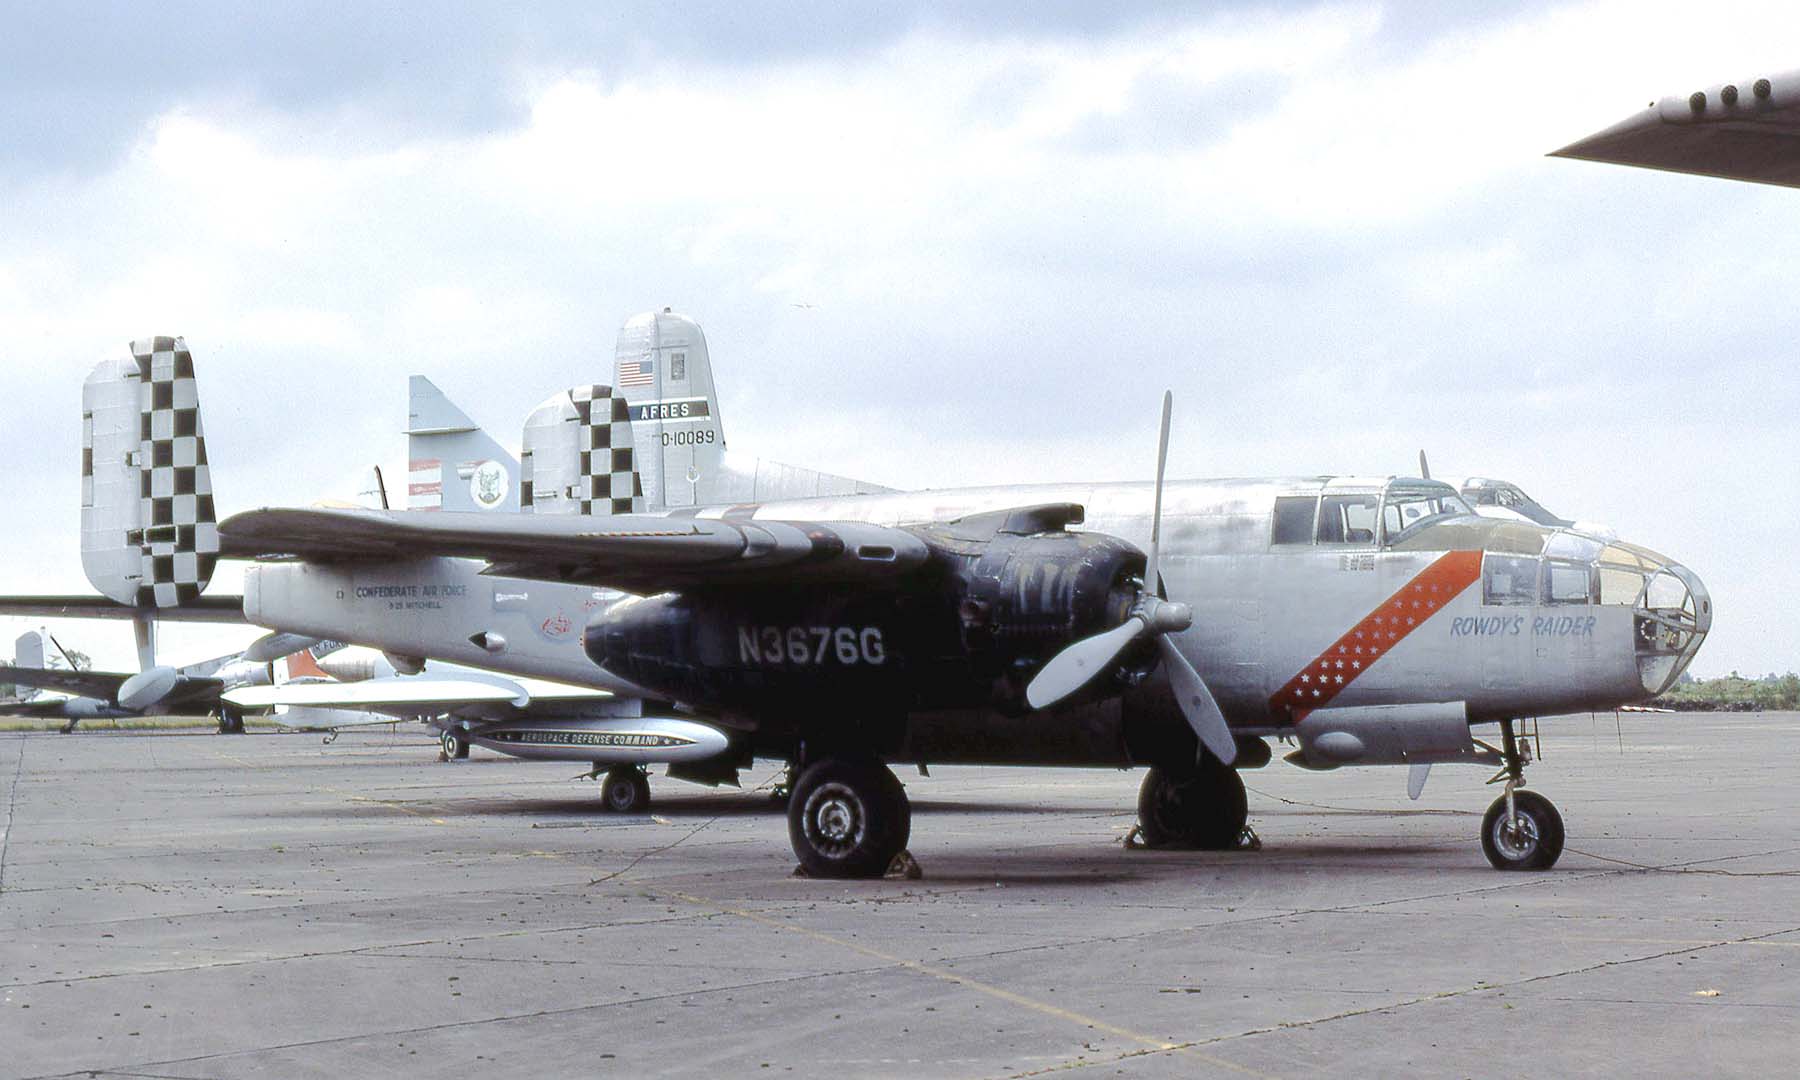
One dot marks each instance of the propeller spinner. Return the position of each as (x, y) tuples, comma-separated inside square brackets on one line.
[(1076, 666)]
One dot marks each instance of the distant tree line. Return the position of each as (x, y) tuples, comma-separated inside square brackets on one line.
[(1734, 693)]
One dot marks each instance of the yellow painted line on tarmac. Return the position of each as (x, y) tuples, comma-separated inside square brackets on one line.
[(350, 795), (956, 978), (390, 804)]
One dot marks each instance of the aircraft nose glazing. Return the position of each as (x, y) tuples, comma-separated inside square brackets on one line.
[(1672, 617)]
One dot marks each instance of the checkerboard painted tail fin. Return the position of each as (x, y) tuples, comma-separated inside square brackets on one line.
[(452, 464), (148, 529), (578, 456)]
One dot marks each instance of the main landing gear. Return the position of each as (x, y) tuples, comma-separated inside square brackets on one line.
[(231, 722), (625, 789), (1195, 806), (1522, 830), (455, 746), (848, 817)]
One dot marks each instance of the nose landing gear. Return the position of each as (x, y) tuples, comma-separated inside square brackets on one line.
[(1522, 830)]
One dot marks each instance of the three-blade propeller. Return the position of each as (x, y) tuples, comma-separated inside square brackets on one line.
[(1078, 664)]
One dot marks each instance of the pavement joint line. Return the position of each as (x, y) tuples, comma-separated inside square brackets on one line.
[(377, 950), (12, 799), (1447, 995), (425, 1029), (1687, 1003), (955, 978)]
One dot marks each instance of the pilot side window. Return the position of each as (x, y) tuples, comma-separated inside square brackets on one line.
[(1509, 580), (1294, 519), (1569, 583), (1347, 519)]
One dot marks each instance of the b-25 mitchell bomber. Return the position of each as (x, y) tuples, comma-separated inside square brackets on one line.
[(1368, 620)]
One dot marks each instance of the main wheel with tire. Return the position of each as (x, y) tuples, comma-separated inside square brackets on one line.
[(456, 748), (1532, 839), (848, 818), (625, 790), (1200, 807), (231, 722)]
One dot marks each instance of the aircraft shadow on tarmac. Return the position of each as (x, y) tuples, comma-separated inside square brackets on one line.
[(699, 807)]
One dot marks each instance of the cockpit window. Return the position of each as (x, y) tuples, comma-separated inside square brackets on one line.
[(1509, 580), (1570, 583), (1294, 519), (1407, 509), (1347, 519)]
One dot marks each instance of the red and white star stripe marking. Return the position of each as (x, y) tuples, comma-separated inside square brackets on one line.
[(1369, 640)]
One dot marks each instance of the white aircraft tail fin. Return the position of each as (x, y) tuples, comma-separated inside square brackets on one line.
[(148, 529), (451, 463), (28, 651), (661, 368), (579, 457)]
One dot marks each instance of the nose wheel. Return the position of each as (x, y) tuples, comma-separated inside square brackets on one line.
[(1522, 830)]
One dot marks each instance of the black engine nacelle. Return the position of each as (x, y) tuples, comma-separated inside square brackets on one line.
[(999, 595)]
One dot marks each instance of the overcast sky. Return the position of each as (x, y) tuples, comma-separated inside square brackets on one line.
[(937, 245)]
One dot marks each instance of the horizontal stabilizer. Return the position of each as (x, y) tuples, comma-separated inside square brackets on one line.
[(207, 609)]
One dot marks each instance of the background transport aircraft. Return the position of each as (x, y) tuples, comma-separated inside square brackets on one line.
[(1369, 620), (191, 690), (1745, 130)]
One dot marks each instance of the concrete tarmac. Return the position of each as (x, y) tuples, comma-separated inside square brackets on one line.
[(196, 905)]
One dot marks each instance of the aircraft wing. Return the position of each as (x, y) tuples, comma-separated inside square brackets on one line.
[(46, 707), (103, 685), (213, 609), (411, 695), (1738, 131), (633, 552)]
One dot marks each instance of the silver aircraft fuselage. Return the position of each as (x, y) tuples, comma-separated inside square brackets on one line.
[(1351, 599)]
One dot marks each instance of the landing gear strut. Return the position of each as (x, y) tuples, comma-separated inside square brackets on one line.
[(848, 818), (1199, 806), (1522, 830), (625, 789), (456, 748)]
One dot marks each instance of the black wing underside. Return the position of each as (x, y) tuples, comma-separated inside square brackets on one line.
[(633, 552)]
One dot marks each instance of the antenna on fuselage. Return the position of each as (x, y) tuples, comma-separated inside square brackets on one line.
[(1424, 469)]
